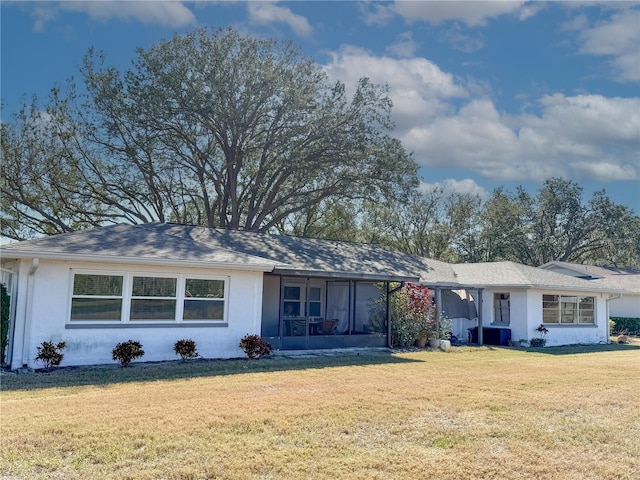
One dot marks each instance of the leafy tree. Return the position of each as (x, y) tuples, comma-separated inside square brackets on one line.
[(212, 128), (557, 224)]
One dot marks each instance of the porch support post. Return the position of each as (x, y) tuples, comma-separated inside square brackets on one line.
[(438, 307), (389, 344), (480, 339)]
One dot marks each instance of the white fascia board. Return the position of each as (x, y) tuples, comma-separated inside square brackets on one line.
[(569, 288), (262, 267)]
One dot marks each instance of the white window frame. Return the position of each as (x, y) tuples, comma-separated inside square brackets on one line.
[(130, 297), (105, 273), (224, 299), (497, 307), (577, 310), (127, 290)]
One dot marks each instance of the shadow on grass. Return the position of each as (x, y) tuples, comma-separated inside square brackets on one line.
[(577, 349), (565, 349), (104, 375)]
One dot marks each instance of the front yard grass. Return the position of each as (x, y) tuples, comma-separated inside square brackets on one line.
[(472, 413)]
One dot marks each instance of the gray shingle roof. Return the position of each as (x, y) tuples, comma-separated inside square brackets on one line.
[(617, 278), (511, 274), (206, 247), (147, 243), (159, 242)]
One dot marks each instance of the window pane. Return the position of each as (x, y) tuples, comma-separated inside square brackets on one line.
[(587, 310), (569, 309), (150, 309), (154, 287), (586, 302), (292, 293), (96, 308), (106, 285), (549, 316), (501, 307), (291, 309), (586, 316), (314, 309), (203, 310), (314, 294), (197, 288)]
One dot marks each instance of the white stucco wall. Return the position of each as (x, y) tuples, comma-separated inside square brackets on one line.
[(627, 306), (569, 334), (44, 301), (526, 316)]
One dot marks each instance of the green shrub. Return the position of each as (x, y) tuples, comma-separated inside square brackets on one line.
[(186, 348), (50, 354), (413, 315), (127, 351), (4, 320), (628, 325), (254, 346)]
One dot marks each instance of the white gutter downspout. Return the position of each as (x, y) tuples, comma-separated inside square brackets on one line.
[(26, 334), (611, 297)]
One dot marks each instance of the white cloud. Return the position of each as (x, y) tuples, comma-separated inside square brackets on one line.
[(606, 171), (585, 137), (265, 13), (461, 41), (419, 87), (43, 14), (475, 13), (617, 38), (405, 46), (573, 136), (376, 13), (169, 13), (450, 185)]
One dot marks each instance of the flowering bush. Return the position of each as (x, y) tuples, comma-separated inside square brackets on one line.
[(413, 314)]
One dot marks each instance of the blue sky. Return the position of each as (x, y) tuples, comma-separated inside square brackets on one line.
[(486, 94)]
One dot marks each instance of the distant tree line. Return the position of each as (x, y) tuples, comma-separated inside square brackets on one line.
[(223, 130), (556, 223)]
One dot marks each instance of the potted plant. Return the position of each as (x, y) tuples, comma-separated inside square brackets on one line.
[(541, 340)]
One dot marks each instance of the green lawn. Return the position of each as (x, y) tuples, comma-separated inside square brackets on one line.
[(556, 413)]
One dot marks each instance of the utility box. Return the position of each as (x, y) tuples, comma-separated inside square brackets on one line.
[(491, 336)]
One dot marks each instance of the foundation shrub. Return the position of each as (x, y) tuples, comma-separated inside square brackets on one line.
[(50, 354), (254, 347), (128, 351), (186, 348)]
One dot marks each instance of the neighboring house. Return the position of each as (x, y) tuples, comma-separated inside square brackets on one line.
[(158, 283), (626, 304)]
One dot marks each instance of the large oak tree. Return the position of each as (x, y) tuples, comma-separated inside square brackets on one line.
[(213, 128)]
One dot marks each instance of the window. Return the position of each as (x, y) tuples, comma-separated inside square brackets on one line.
[(293, 300), (501, 308), (130, 297), (561, 309), (203, 299), (315, 301), (153, 298), (96, 297)]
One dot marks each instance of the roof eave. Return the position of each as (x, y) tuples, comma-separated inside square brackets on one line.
[(346, 275), (261, 267)]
